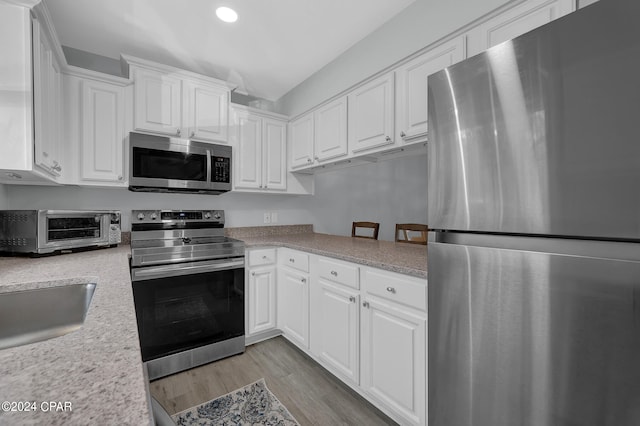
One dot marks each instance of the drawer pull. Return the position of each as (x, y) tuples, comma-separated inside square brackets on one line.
[(265, 257), (352, 299), (334, 273), (292, 260), (391, 290), (365, 304)]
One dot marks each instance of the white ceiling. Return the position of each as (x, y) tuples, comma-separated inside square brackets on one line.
[(274, 45)]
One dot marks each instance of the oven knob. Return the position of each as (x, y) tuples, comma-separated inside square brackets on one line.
[(216, 216), (140, 216), (207, 215), (154, 216)]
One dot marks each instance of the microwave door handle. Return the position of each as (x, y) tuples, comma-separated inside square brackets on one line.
[(209, 171), (178, 270)]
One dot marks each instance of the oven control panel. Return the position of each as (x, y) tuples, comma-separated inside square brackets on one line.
[(151, 216)]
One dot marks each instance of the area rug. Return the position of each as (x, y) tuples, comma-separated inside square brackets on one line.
[(253, 404)]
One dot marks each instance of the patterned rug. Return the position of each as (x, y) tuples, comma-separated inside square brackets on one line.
[(253, 404)]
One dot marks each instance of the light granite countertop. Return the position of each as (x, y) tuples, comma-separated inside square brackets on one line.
[(98, 368), (409, 259)]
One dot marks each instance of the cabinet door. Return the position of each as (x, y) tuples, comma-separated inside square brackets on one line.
[(371, 114), (301, 141), (158, 102), (293, 307), (262, 300), (338, 329), (394, 359), (411, 88), (274, 140), (248, 156), (207, 112), (331, 130), (516, 21), (102, 142), (47, 110)]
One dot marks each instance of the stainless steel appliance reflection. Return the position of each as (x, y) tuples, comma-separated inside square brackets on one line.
[(188, 287), (534, 262)]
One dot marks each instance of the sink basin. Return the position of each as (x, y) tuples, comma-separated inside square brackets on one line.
[(34, 315)]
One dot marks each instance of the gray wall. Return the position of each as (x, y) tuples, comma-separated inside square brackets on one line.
[(387, 192), (419, 25)]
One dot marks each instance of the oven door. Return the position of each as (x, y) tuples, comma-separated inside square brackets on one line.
[(60, 229), (189, 305)]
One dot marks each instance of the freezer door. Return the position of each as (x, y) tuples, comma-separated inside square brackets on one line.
[(532, 338), (539, 135)]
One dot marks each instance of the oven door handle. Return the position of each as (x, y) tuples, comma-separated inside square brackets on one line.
[(150, 273)]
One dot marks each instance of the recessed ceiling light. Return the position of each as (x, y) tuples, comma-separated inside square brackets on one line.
[(226, 14)]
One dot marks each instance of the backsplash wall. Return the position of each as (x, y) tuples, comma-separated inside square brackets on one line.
[(387, 192)]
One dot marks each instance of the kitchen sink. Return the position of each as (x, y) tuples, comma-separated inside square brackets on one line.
[(31, 316)]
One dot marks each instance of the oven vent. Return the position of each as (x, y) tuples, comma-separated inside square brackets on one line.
[(14, 217), (13, 242)]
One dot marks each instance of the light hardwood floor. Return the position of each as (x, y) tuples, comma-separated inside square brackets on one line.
[(312, 394)]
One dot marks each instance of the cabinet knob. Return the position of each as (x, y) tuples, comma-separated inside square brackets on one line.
[(334, 273), (365, 304), (265, 187), (316, 158), (265, 257), (303, 280), (352, 299), (309, 160), (387, 138), (119, 177), (56, 166), (402, 134), (178, 132), (391, 290), (253, 273), (292, 260), (260, 186)]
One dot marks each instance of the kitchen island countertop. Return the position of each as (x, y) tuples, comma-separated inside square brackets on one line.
[(404, 258), (98, 368)]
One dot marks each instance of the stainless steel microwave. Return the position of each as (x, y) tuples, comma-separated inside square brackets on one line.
[(49, 231), (163, 164)]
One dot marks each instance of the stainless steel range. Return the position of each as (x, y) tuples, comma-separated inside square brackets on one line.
[(188, 286)]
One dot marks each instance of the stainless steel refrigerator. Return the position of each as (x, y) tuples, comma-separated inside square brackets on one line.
[(534, 203)]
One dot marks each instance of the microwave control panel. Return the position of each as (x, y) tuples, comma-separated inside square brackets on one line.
[(221, 170)]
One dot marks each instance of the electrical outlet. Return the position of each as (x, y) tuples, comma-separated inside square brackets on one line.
[(274, 217), (267, 217)]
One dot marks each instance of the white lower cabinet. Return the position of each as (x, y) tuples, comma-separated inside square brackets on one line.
[(261, 289), (293, 296), (394, 359), (336, 329)]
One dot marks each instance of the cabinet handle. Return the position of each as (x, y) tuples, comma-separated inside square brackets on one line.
[(119, 177), (402, 134), (334, 273), (178, 132), (387, 138), (265, 257), (45, 154), (56, 166), (265, 187), (253, 273), (391, 290), (352, 299), (365, 304), (303, 280), (260, 186), (309, 160), (292, 260)]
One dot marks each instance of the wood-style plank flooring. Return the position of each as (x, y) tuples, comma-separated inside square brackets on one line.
[(312, 394)]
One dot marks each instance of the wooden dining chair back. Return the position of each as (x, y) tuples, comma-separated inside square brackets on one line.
[(372, 228), (414, 233)]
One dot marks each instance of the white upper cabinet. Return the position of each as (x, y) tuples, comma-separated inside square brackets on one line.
[(47, 103), (102, 142), (522, 18), (411, 88), (301, 141), (178, 103), (207, 111), (260, 156), (330, 136), (371, 115), (158, 102)]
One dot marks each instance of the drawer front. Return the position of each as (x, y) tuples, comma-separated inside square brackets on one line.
[(340, 272), (398, 288), (258, 257), (295, 259)]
